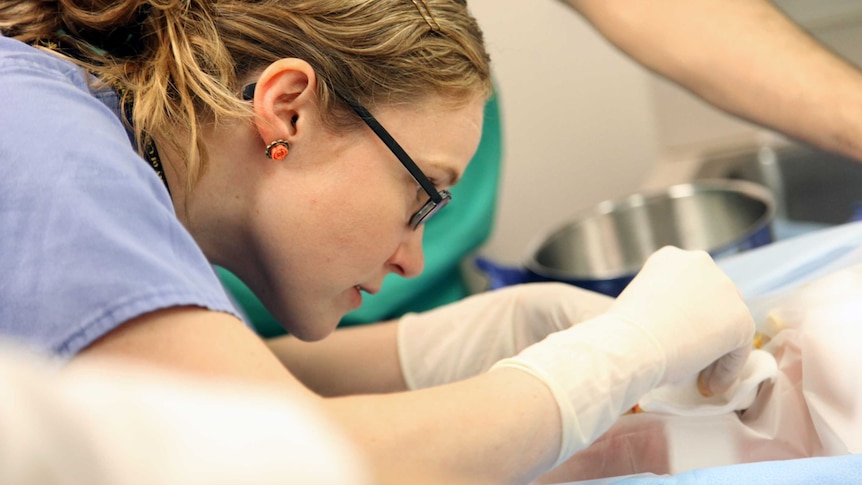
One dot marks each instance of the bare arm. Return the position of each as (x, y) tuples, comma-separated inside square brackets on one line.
[(353, 360), (464, 432), (745, 57), (501, 427)]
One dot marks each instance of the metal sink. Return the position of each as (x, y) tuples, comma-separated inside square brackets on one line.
[(812, 188)]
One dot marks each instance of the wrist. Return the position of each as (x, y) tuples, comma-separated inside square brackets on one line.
[(596, 371)]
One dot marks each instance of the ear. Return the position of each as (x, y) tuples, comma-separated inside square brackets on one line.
[(286, 91)]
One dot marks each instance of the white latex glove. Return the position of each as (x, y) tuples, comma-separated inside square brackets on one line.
[(466, 338), (678, 315)]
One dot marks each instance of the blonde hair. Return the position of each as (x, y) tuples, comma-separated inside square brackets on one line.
[(180, 62)]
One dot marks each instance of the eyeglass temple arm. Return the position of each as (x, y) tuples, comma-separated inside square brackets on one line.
[(399, 152), (377, 128)]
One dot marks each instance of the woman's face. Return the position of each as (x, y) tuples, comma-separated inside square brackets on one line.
[(331, 220)]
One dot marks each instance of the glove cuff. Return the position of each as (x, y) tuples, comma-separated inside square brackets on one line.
[(596, 371)]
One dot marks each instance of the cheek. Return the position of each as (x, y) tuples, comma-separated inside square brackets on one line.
[(372, 227), (346, 217), (359, 229)]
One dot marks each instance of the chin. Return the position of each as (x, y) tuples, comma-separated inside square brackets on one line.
[(311, 335), (317, 330)]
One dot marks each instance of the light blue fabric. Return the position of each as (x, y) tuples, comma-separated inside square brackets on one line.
[(89, 236), (792, 262), (840, 470)]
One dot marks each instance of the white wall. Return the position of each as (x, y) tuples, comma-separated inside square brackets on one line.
[(583, 123), (576, 116)]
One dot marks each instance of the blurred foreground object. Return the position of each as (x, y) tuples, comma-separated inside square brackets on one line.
[(127, 426)]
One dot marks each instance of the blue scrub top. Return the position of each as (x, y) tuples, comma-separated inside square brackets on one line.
[(89, 236)]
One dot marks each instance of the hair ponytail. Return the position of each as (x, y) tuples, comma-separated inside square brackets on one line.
[(180, 62)]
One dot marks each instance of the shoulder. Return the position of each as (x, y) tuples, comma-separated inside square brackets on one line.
[(47, 97), (96, 240), (22, 59)]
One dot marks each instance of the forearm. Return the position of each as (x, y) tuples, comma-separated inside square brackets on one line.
[(745, 57), (499, 427), (353, 360)]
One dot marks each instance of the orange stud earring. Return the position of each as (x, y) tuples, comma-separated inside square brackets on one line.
[(277, 150)]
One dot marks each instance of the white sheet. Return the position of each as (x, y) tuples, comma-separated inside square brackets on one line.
[(806, 294)]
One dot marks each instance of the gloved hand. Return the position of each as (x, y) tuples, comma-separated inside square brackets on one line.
[(466, 338), (679, 315)]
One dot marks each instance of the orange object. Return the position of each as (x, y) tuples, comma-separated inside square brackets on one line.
[(277, 150)]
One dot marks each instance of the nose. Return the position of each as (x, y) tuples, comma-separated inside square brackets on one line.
[(408, 260)]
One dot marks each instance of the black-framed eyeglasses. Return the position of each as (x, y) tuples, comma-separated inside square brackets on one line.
[(437, 199)]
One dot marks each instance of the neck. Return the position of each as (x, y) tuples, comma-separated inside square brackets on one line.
[(214, 209), (172, 172)]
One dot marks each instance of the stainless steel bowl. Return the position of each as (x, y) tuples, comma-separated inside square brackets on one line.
[(603, 248)]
